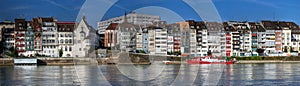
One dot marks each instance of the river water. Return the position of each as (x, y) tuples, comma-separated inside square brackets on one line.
[(159, 75)]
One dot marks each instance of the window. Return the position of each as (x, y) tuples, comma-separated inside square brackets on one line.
[(70, 48), (66, 48), (79, 49)]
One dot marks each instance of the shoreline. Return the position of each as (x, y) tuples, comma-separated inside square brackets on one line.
[(71, 61), (263, 61)]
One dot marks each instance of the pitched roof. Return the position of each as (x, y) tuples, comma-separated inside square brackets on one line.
[(112, 26)]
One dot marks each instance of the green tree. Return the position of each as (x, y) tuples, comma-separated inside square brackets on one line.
[(60, 52)]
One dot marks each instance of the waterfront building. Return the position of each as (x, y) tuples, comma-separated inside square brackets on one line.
[(295, 36), (145, 40), (273, 38), (142, 20), (161, 37), (5, 25), (127, 35), (229, 38), (184, 30), (37, 30), (20, 29), (29, 40), (111, 35), (257, 38), (286, 37), (241, 38), (65, 37), (85, 39), (193, 43), (214, 32), (158, 40), (174, 30), (8, 38), (139, 40), (49, 36), (151, 39)]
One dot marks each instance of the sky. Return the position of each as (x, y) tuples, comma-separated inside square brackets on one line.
[(170, 10)]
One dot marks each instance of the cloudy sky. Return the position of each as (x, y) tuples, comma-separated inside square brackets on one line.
[(67, 10)]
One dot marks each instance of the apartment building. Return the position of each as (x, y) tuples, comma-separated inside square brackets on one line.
[(139, 40), (273, 38), (49, 36), (20, 29), (5, 24), (65, 37), (145, 40), (142, 20), (37, 31), (5, 27), (161, 37)]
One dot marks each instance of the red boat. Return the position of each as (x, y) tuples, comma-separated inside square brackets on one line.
[(209, 60)]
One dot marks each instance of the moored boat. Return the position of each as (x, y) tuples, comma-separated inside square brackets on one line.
[(209, 60)]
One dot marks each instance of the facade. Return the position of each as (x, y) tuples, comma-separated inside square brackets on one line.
[(37, 30), (49, 37), (20, 29), (133, 18), (145, 40), (161, 37), (29, 41), (214, 33), (139, 40), (273, 38), (5, 28), (5, 24), (111, 35), (127, 35), (8, 38), (151, 39), (85, 39), (176, 38), (65, 37)]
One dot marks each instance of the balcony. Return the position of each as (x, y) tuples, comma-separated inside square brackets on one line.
[(21, 50), (20, 45), (20, 35), (19, 40)]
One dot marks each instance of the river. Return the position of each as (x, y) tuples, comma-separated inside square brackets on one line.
[(141, 75)]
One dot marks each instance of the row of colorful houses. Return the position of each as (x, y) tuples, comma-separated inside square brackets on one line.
[(47, 36), (197, 38)]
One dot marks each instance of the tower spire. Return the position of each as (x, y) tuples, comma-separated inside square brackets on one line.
[(125, 17)]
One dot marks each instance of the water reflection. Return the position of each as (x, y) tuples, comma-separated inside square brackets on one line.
[(102, 75)]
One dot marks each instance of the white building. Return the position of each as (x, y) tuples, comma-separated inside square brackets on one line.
[(142, 20), (66, 37), (84, 39), (193, 42), (151, 40), (139, 40), (161, 45), (49, 37), (127, 35)]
